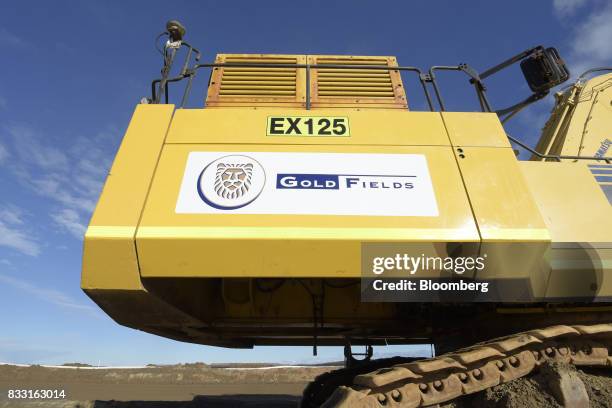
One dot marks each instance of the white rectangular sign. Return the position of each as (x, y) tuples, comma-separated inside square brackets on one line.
[(307, 183)]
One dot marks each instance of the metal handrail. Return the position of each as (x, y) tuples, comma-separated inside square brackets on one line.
[(475, 79), (308, 67), (169, 54), (423, 79), (556, 157)]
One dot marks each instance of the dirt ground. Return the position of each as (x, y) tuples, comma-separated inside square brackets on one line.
[(182, 386), (534, 391), (199, 386)]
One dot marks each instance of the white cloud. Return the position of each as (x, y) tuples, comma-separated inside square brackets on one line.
[(32, 151), (18, 238), (70, 221), (49, 295), (56, 186), (71, 177), (13, 234), (591, 45), (3, 102), (567, 7), (11, 214)]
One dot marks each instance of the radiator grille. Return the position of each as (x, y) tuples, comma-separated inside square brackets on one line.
[(329, 87), (356, 87), (255, 86)]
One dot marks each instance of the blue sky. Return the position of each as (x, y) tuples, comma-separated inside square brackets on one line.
[(72, 72)]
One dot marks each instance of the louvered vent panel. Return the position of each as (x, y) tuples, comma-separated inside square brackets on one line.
[(335, 87), (257, 86), (329, 87)]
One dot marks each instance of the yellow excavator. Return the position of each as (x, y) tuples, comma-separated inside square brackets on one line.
[(307, 204)]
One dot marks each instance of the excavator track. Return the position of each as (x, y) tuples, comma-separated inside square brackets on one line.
[(466, 371)]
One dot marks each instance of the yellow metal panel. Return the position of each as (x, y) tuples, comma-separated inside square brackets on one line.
[(217, 245), (94, 231), (475, 129), (597, 136), (579, 218), (575, 208), (249, 126), (553, 133), (109, 254), (339, 233), (591, 119), (580, 121), (125, 189), (499, 194), (514, 235), (110, 263)]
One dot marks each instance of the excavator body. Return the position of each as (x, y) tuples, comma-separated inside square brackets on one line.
[(273, 215), (325, 190)]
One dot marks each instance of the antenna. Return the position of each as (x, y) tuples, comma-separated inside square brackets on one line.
[(176, 31)]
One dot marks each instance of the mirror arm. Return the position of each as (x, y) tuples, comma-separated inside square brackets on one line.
[(514, 109), (507, 113), (510, 61), (476, 80)]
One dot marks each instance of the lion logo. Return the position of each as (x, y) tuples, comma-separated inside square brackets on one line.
[(233, 180)]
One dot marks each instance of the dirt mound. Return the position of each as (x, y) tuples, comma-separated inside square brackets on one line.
[(598, 384), (540, 390)]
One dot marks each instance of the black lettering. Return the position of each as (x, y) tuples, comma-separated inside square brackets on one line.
[(326, 124), (308, 122), (293, 126), (276, 126), (339, 127)]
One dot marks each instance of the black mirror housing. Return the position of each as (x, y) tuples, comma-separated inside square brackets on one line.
[(544, 69)]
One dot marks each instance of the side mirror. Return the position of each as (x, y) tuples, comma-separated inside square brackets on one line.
[(544, 69)]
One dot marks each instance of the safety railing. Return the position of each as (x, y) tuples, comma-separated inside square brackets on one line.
[(160, 89)]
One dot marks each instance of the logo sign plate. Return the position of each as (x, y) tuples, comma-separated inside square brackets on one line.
[(329, 126), (307, 183)]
